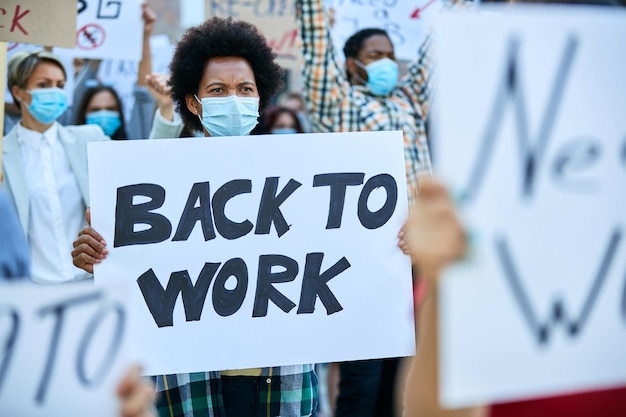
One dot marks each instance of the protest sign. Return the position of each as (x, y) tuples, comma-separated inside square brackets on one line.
[(533, 142), (63, 349), (43, 22), (107, 29), (275, 18), (269, 240), (406, 22)]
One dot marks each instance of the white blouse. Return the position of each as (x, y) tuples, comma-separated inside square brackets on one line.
[(57, 211)]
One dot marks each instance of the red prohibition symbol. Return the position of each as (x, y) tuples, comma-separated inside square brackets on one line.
[(91, 36)]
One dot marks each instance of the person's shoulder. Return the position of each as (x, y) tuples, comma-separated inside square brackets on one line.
[(85, 132)]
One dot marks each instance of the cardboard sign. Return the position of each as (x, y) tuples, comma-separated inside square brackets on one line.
[(267, 239), (275, 18), (63, 349), (42, 22), (406, 22), (533, 141), (108, 29)]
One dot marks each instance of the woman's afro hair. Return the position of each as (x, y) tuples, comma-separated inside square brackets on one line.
[(221, 37)]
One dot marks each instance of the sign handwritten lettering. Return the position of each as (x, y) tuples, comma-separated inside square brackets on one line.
[(540, 179), (39, 22), (62, 342), (257, 234), (406, 22)]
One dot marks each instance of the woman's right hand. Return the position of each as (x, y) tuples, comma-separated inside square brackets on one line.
[(89, 247)]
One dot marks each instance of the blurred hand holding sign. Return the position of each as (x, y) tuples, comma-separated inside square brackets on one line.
[(43, 22), (275, 18), (63, 349), (533, 140)]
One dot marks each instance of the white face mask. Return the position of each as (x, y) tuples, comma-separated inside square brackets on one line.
[(229, 116)]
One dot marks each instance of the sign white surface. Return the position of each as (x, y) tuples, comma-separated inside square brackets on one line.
[(363, 301), (406, 22), (533, 141), (108, 29), (64, 349)]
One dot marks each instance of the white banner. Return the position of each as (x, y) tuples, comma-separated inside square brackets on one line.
[(272, 241), (406, 22), (63, 349), (531, 137), (108, 29)]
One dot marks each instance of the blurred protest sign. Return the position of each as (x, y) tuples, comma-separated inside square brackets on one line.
[(107, 29), (406, 22), (45, 22), (64, 349), (275, 18), (304, 244), (533, 142)]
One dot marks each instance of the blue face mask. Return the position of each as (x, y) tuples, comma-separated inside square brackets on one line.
[(284, 131), (229, 116), (382, 76), (47, 104), (108, 120)]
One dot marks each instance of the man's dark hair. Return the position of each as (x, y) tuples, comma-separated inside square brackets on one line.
[(355, 42), (221, 37)]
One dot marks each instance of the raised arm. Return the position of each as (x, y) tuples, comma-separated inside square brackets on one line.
[(145, 65), (323, 77), (417, 83)]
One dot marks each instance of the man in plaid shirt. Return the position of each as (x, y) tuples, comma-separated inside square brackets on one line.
[(357, 99), (366, 96)]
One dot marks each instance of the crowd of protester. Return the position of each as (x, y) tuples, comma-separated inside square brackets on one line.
[(47, 238)]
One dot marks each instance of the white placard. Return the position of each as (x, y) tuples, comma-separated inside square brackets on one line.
[(363, 300), (108, 29), (406, 22), (532, 139), (63, 349)]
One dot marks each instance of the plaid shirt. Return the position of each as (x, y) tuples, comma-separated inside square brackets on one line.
[(286, 391), (337, 106)]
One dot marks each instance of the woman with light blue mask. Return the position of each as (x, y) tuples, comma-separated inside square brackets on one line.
[(45, 165), (223, 74), (101, 105)]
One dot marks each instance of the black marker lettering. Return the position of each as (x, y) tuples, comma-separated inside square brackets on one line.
[(314, 284), (227, 228), (111, 352), (128, 215), (227, 302), (338, 184), (376, 219), (269, 208), (161, 301), (192, 214), (265, 291)]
